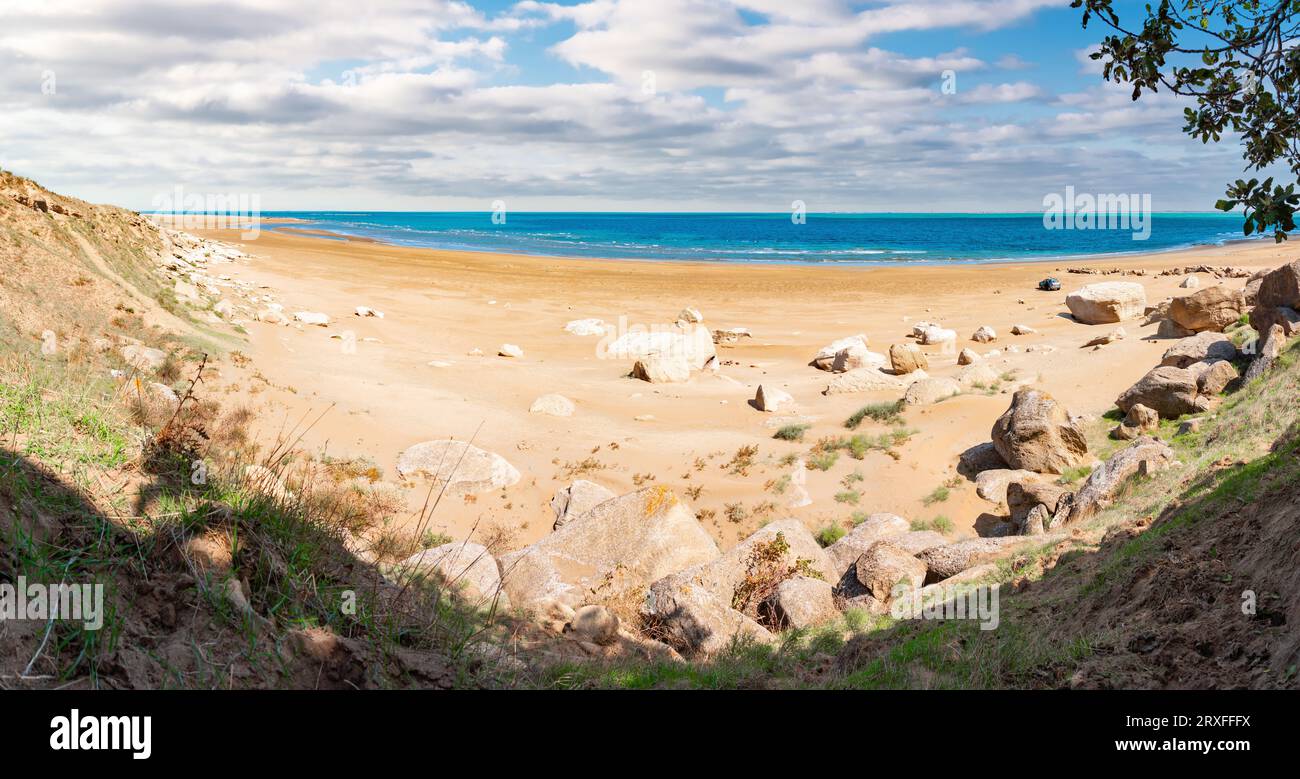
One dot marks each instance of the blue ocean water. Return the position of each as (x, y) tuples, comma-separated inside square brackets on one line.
[(857, 239)]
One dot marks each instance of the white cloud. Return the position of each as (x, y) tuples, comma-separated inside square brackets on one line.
[(408, 104)]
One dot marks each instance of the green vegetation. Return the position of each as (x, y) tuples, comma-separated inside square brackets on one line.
[(885, 413), (830, 534), (791, 432)]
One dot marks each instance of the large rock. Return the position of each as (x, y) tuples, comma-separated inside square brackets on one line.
[(772, 399), (946, 561), (985, 335), (1109, 301), (855, 357), (466, 568), (1037, 434), (1215, 377), (1267, 349), (846, 551), (979, 376), (695, 622), (1146, 455), (579, 497), (929, 391), (144, 358), (937, 336), (1213, 308), (1263, 318), (884, 566), (863, 380), (803, 602), (586, 327), (1171, 391), (555, 405), (692, 344), (621, 545), (1137, 421), (1280, 287), (907, 358), (825, 357), (464, 468), (662, 369), (980, 458), (992, 484), (1023, 496), (695, 610), (1203, 347)]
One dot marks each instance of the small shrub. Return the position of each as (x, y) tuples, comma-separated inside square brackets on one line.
[(887, 413), (791, 432), (830, 534)]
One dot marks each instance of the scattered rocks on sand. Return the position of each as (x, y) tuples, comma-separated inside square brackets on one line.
[(1212, 308), (620, 545), (1107, 302), (907, 358), (929, 391), (510, 350), (466, 469), (1037, 434), (1202, 347), (690, 316), (985, 335), (579, 497), (772, 399), (552, 404), (366, 311), (1171, 391), (1022, 330), (466, 567)]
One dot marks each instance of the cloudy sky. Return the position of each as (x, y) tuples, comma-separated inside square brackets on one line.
[(739, 105)]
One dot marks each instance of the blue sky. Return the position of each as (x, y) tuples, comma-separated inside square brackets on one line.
[(602, 105)]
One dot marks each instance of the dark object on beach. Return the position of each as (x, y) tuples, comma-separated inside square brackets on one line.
[(1049, 285)]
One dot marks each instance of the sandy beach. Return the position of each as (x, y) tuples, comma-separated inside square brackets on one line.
[(417, 374)]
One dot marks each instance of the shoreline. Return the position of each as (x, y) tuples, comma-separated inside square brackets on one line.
[(335, 235), (429, 370)]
